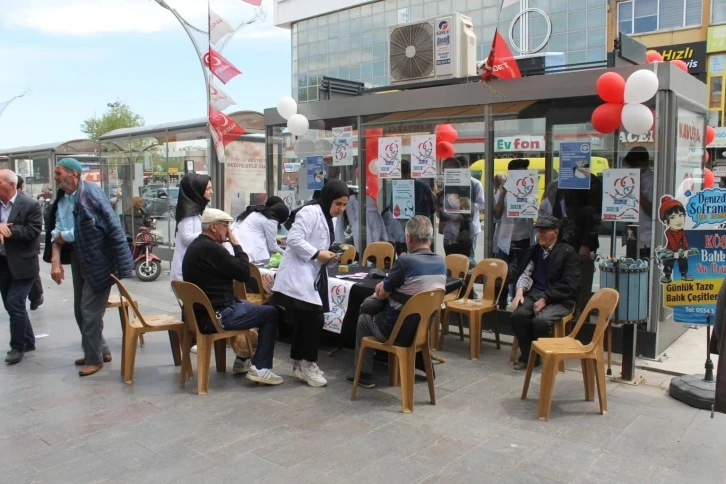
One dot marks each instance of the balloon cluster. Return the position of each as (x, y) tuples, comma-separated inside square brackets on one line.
[(445, 137), (654, 57), (297, 124), (624, 102)]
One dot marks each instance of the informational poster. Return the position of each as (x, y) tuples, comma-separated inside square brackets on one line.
[(244, 174), (403, 199), (457, 190), (692, 263), (343, 146), (689, 154), (574, 166), (389, 157), (315, 172), (521, 200), (621, 195), (288, 196), (423, 156)]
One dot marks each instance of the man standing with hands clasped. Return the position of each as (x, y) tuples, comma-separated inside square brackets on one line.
[(83, 230), (20, 224)]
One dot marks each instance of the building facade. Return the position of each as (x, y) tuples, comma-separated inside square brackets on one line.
[(348, 39)]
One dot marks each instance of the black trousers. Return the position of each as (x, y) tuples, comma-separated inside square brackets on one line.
[(305, 341), (529, 327), (36, 292)]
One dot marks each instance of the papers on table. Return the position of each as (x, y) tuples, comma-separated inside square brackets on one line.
[(356, 276)]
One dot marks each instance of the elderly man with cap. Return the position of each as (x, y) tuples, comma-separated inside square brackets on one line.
[(84, 231), (547, 286), (209, 266)]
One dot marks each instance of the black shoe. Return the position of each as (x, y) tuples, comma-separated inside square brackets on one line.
[(34, 304), (15, 356), (365, 380), (522, 365), (30, 347)]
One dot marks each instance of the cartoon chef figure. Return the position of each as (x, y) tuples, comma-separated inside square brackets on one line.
[(673, 215)]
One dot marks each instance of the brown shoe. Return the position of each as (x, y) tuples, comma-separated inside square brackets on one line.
[(82, 361), (89, 370)]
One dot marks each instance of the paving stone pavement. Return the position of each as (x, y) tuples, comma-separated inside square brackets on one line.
[(59, 428)]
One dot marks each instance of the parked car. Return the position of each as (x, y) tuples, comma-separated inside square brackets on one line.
[(160, 201)]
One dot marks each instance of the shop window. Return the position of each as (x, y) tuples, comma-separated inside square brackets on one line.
[(718, 11), (715, 93), (640, 16)]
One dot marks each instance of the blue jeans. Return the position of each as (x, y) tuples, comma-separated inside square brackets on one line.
[(14, 294), (245, 315)]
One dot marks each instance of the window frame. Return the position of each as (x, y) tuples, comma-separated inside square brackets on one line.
[(631, 3)]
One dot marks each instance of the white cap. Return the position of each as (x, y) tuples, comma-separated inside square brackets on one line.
[(212, 215)]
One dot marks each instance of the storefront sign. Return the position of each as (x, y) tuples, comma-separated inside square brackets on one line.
[(716, 64), (639, 139), (315, 172), (690, 128), (719, 170), (521, 201), (403, 199), (720, 140), (621, 195), (519, 143), (716, 40), (423, 156), (457, 190), (692, 53), (389, 157), (574, 166)]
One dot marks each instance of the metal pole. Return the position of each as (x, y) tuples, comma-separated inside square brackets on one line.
[(708, 377)]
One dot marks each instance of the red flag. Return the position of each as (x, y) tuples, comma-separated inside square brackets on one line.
[(501, 62), (220, 67), (225, 129), (256, 3)]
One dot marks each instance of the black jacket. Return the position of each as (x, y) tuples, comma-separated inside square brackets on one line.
[(581, 226), (66, 249), (23, 246), (563, 277)]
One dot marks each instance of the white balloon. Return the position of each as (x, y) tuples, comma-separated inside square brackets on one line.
[(637, 119), (286, 107), (641, 86), (298, 124), (323, 147), (373, 166)]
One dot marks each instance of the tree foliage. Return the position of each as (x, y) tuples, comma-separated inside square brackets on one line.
[(118, 115)]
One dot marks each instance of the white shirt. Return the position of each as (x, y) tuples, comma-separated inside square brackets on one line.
[(510, 229), (477, 205), (257, 235), (5, 210), (188, 229)]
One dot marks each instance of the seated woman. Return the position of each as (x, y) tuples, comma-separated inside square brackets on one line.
[(256, 229)]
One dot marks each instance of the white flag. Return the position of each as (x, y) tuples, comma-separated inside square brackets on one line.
[(219, 99), (218, 146), (218, 27)]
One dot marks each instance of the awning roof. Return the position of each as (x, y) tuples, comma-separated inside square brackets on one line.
[(72, 147)]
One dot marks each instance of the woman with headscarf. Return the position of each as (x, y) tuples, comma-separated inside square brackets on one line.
[(301, 284), (256, 229), (195, 192)]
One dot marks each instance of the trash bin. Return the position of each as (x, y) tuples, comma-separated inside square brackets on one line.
[(630, 278)]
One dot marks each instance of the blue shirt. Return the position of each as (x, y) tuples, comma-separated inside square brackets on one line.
[(64, 222)]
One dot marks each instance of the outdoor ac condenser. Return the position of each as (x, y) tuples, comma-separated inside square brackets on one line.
[(441, 47)]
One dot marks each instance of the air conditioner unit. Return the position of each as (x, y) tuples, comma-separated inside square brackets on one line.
[(442, 47)]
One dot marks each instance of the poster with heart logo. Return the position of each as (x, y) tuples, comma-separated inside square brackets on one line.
[(621, 195), (521, 186)]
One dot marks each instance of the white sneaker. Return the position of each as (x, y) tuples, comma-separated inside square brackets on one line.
[(241, 366), (313, 376), (297, 373), (194, 349), (263, 375)]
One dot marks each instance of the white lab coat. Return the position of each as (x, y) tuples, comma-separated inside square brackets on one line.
[(375, 225), (297, 273), (189, 229), (257, 235)]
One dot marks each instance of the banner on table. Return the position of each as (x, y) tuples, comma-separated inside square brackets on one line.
[(343, 146), (521, 200), (457, 190), (423, 156), (574, 166), (621, 195), (339, 296), (389, 157), (403, 199), (315, 172)]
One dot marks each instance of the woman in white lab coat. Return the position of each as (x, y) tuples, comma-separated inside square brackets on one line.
[(301, 282), (195, 192), (256, 229)]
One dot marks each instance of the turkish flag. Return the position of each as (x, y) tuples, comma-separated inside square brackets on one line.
[(220, 67), (256, 3), (224, 127), (500, 63)]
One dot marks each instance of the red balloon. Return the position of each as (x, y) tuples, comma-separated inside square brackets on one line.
[(446, 132), (710, 135), (611, 88), (371, 148), (653, 56), (372, 187), (680, 64), (444, 149), (708, 178), (606, 117)]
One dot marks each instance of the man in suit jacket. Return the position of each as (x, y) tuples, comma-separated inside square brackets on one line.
[(36, 293), (20, 224)]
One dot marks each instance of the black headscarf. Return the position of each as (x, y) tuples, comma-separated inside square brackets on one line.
[(272, 201), (191, 196), (332, 191), (278, 212)]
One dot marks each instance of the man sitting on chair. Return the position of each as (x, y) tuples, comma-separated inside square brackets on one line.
[(208, 265), (547, 287), (416, 271)]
